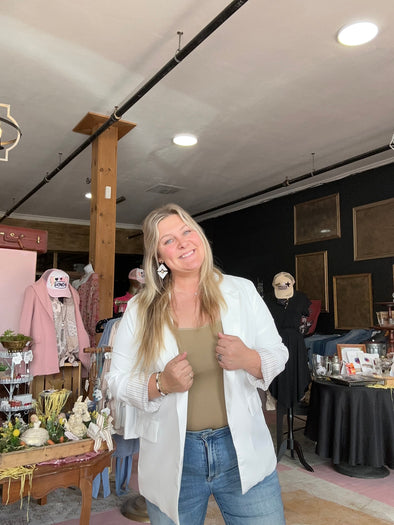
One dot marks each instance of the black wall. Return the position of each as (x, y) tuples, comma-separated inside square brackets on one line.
[(258, 242), (123, 265)]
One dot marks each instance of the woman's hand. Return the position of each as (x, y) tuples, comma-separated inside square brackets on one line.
[(177, 375), (233, 354)]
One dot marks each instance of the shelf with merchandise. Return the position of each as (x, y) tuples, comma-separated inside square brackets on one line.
[(5, 406), (15, 379)]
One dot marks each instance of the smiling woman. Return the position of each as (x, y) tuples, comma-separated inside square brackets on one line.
[(180, 249), (190, 352)]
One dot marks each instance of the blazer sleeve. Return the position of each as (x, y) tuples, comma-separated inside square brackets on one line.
[(125, 383)]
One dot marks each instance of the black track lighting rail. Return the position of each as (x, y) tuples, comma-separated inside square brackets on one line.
[(180, 55)]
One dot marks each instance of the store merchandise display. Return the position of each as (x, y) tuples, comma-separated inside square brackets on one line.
[(15, 377)]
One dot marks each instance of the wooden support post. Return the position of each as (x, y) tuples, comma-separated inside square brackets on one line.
[(103, 203)]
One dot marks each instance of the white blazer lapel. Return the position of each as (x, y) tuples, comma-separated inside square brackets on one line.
[(231, 315), (170, 348)]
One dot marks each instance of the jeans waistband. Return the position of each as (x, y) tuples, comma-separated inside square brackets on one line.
[(207, 433)]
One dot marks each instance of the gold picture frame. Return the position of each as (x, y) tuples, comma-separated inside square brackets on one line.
[(317, 220), (340, 347), (353, 301), (312, 276), (373, 230)]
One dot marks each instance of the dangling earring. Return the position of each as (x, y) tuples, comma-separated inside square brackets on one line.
[(162, 270)]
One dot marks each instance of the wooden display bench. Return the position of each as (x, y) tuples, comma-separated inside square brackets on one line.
[(69, 377), (49, 477)]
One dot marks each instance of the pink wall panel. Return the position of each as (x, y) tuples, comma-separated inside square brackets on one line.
[(17, 271)]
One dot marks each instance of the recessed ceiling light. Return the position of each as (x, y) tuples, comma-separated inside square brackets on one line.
[(357, 34), (88, 195), (185, 139)]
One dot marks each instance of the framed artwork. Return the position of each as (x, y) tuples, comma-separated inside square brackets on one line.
[(312, 276), (353, 301), (349, 350), (373, 230), (317, 220)]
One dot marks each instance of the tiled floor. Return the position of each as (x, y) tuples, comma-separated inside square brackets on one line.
[(311, 498)]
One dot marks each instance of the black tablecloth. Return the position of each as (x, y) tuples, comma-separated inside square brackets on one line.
[(353, 425)]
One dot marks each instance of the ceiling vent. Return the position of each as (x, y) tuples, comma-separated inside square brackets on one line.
[(165, 189)]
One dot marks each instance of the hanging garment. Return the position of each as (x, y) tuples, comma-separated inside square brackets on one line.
[(37, 321), (89, 304), (125, 448), (66, 329), (101, 478), (290, 385), (106, 335)]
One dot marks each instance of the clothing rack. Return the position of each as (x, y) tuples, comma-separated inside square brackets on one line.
[(96, 366), (101, 324)]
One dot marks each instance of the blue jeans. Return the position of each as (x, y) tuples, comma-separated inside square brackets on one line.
[(210, 467)]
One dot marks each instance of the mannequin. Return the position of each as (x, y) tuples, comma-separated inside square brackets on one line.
[(136, 281), (288, 307), (50, 315), (88, 289), (88, 272)]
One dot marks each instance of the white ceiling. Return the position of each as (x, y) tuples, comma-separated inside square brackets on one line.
[(270, 94)]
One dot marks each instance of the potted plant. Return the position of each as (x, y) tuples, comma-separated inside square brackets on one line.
[(14, 342)]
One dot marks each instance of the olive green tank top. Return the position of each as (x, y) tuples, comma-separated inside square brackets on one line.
[(206, 405)]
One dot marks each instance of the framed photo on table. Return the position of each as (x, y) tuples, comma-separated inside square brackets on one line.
[(317, 220), (312, 276), (353, 301), (347, 351)]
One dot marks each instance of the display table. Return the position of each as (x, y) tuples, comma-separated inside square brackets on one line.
[(49, 476), (354, 426)]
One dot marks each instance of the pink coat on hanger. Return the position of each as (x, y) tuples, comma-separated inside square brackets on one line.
[(37, 321)]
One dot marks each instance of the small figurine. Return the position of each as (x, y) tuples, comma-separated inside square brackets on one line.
[(80, 416), (35, 436)]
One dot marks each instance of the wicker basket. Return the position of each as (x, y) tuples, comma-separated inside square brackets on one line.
[(15, 346)]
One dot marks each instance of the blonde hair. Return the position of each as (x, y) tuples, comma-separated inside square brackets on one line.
[(154, 300)]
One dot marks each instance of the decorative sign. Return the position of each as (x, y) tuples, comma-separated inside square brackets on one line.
[(9, 131)]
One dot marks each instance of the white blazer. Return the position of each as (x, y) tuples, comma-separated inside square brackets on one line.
[(161, 424)]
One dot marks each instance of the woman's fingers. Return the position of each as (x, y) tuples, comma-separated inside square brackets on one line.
[(178, 375)]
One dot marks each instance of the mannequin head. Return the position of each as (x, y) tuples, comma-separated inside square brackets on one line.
[(136, 280), (58, 284), (283, 284), (88, 268)]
